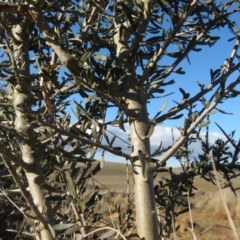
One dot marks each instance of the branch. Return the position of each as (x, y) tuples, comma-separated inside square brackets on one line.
[(86, 141), (194, 125), (196, 97), (10, 7), (142, 26), (51, 37), (167, 42), (234, 51), (11, 157), (187, 50), (66, 59), (231, 223), (153, 61), (24, 192)]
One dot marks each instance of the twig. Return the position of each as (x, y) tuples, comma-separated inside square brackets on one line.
[(20, 210), (223, 200), (234, 51), (11, 157), (194, 125), (191, 219), (86, 141), (79, 219), (24, 192), (167, 42), (105, 228), (207, 229), (197, 96)]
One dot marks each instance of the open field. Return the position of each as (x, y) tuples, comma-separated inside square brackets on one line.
[(207, 209)]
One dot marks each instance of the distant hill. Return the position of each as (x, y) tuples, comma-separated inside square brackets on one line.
[(113, 176)]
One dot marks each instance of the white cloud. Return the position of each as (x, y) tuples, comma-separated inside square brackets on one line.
[(164, 135), (161, 134)]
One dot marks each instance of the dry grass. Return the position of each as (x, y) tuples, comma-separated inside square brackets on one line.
[(207, 208)]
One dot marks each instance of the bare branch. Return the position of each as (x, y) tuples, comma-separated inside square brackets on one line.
[(231, 223), (155, 59), (21, 186), (7, 154), (142, 26), (86, 141), (194, 125), (11, 7), (234, 51), (197, 96)]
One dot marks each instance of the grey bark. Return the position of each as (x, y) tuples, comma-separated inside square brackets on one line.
[(143, 174), (32, 153)]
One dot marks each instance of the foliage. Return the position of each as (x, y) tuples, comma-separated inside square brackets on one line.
[(64, 61)]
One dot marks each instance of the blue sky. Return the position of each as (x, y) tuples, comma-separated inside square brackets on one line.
[(199, 70)]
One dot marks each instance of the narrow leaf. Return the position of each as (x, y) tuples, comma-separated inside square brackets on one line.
[(52, 231), (121, 122), (102, 162), (94, 171), (72, 230), (204, 124), (102, 210), (161, 109), (50, 188), (84, 58), (176, 117), (112, 141), (149, 130), (63, 226), (107, 234), (69, 184)]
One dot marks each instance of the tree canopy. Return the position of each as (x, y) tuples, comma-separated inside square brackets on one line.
[(79, 59)]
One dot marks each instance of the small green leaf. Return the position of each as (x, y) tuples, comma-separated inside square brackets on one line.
[(63, 226), (176, 117), (73, 165), (94, 171), (82, 205), (69, 184), (223, 112), (107, 234), (185, 210), (231, 39), (180, 71), (50, 188), (160, 90), (149, 130), (121, 122), (100, 57), (204, 124), (112, 141), (75, 39), (102, 162), (84, 58), (52, 231), (72, 229), (213, 112), (162, 108), (175, 54), (168, 83), (102, 210), (193, 117)]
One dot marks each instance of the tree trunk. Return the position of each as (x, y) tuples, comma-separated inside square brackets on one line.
[(32, 152), (147, 226)]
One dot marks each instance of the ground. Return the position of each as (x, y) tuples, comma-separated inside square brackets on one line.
[(206, 206)]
